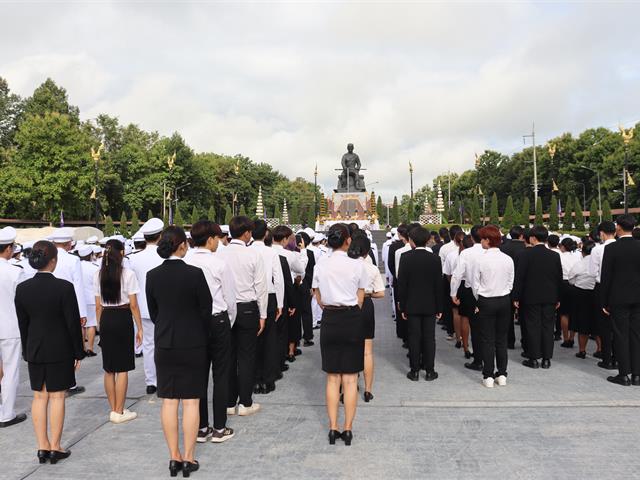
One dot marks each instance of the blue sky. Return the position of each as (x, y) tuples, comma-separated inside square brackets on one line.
[(292, 83)]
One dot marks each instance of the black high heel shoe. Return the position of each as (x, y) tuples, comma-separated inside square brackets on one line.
[(43, 455), (55, 455), (347, 436), (467, 354), (333, 434), (188, 467), (174, 467), (368, 396)]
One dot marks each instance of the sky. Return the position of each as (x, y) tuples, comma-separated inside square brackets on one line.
[(291, 83)]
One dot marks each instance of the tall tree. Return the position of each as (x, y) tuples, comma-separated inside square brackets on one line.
[(509, 217), (568, 218), (395, 213), (149, 214), (124, 228), (593, 215), (11, 107), (135, 223), (553, 214), (606, 211), (475, 212), (380, 210), (526, 211), (579, 216), (539, 213), (109, 229), (277, 214), (211, 214), (294, 215), (195, 216), (228, 215), (494, 216), (178, 220), (50, 98)]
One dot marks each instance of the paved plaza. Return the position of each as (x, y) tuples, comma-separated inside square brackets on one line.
[(564, 423)]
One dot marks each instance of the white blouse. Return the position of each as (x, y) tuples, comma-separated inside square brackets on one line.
[(338, 278), (580, 275), (128, 286), (374, 278)]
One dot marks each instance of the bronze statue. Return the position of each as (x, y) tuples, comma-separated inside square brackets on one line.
[(350, 179)]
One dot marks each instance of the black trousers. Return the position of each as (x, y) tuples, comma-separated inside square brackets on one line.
[(401, 325), (447, 310), (219, 351), (626, 335), (282, 334), (604, 328), (305, 311), (493, 325), (421, 337), (243, 354), (267, 352), (511, 336), (540, 320)]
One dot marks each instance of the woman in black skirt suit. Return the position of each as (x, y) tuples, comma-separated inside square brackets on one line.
[(359, 249), (179, 303), (52, 345), (339, 283), (116, 290), (583, 284)]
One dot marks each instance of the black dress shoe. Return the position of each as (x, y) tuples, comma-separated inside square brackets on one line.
[(291, 358), (467, 354), (308, 343), (55, 456), (582, 355), (151, 389), (413, 375), (606, 365), (333, 435), (138, 355), (620, 380), (174, 467), (531, 363), (524, 354), (90, 353), (473, 366), (43, 456), (557, 337), (347, 436), (21, 417), (188, 467), (635, 380), (597, 355), (269, 387), (567, 344), (258, 389), (368, 396), (458, 344), (284, 367), (546, 363), (297, 352), (431, 376), (404, 345), (75, 391)]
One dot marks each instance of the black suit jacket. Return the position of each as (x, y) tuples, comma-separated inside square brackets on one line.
[(513, 248), (538, 276), (391, 258), (620, 275), (308, 273), (289, 289), (420, 286), (49, 320), (179, 304)]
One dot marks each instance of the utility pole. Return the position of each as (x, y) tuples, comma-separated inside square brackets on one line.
[(535, 165), (411, 177), (315, 192)]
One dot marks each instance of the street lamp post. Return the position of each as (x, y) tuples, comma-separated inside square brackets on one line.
[(411, 177), (627, 135), (95, 155), (315, 193), (599, 191), (535, 165), (177, 190)]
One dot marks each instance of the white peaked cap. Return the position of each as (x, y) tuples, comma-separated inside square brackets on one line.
[(309, 231), (92, 239), (97, 249), (85, 250), (8, 235), (389, 234), (138, 236), (152, 226), (62, 235)]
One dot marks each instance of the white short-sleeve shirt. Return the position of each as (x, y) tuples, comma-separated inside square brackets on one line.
[(128, 286), (374, 278), (338, 277)]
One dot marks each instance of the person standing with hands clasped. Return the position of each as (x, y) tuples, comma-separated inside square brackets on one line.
[(339, 283), (52, 345), (491, 285), (116, 289), (620, 297)]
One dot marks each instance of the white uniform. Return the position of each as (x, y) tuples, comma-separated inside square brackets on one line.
[(375, 283), (10, 346), (568, 260), (141, 263), (595, 259), (219, 279), (297, 260), (272, 270), (68, 268), (338, 278), (465, 270), (316, 311), (89, 269)]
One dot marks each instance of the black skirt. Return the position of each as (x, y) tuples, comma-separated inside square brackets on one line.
[(295, 320), (582, 312), (342, 340), (116, 340), (182, 372), (369, 318), (566, 298), (468, 302), (57, 377)]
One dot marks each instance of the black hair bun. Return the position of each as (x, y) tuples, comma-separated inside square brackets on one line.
[(38, 259), (165, 248)]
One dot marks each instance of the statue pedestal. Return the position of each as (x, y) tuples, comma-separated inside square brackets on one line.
[(347, 208)]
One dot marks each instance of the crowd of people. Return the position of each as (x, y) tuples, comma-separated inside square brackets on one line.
[(235, 307)]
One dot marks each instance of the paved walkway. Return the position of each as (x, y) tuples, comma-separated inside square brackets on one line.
[(564, 423)]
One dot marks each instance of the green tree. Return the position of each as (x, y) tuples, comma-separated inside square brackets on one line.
[(524, 214), (123, 228), (149, 214), (277, 214), (579, 217), (211, 214), (135, 223), (109, 229), (228, 215), (593, 215), (49, 98), (509, 217), (494, 216), (178, 221), (410, 212), (380, 210), (553, 214), (294, 216), (395, 213), (539, 213), (195, 216), (475, 213), (568, 218), (243, 211), (606, 211), (10, 111)]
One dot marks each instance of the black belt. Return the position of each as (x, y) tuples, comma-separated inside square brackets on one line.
[(218, 315), (340, 307), (118, 307)]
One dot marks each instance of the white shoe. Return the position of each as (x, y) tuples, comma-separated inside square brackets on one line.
[(501, 381), (244, 411), (488, 382), (231, 410), (124, 417)]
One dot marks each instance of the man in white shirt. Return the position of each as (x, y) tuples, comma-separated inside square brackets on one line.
[(450, 245), (465, 272), (319, 250), (141, 263), (267, 358), (10, 347), (607, 232), (252, 297), (385, 256), (206, 238), (68, 268)]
